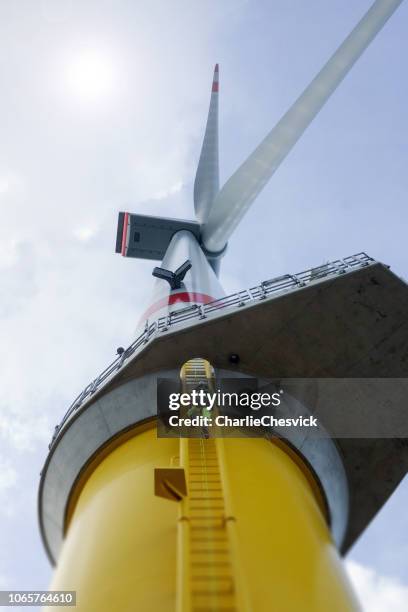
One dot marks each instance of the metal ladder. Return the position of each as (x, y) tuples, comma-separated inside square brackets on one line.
[(207, 557)]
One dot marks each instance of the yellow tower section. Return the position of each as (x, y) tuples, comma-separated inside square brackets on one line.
[(243, 528)]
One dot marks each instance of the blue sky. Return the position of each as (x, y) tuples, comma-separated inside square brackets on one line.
[(74, 151)]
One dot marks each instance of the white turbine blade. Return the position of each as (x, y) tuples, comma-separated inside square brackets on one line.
[(206, 184), (241, 189)]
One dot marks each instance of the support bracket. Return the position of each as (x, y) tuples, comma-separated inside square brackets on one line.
[(176, 278)]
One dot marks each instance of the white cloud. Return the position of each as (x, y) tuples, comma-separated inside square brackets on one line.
[(377, 593), (4, 581), (8, 476), (8, 252), (84, 233), (165, 193), (11, 185), (8, 482), (22, 431), (4, 185)]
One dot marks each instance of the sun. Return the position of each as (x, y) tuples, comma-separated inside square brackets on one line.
[(91, 76)]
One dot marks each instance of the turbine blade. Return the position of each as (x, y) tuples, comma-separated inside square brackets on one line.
[(241, 189), (206, 184)]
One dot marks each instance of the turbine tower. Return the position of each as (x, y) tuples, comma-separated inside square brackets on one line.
[(134, 521)]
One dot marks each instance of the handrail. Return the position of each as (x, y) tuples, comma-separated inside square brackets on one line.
[(259, 292)]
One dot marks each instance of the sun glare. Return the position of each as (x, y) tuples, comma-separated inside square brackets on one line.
[(90, 76)]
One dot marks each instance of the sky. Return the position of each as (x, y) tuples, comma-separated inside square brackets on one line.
[(102, 109)]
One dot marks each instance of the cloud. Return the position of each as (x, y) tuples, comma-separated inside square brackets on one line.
[(8, 252), (165, 193), (4, 581), (377, 593), (8, 476), (84, 233), (10, 184), (8, 481), (21, 431)]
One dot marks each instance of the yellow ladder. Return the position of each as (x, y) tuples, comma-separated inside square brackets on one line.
[(207, 557)]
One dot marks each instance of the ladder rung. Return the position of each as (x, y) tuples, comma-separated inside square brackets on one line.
[(209, 498), (209, 540), (210, 564)]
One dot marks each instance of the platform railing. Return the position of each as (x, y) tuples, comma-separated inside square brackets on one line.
[(268, 288)]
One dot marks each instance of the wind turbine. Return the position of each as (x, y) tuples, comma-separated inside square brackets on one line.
[(218, 211), (259, 523)]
